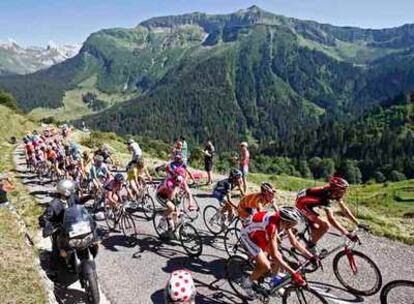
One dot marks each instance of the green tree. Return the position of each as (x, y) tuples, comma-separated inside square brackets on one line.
[(8, 100), (397, 176)]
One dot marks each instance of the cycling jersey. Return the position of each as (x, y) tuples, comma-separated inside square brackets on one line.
[(113, 186), (172, 166), (222, 188), (98, 173), (317, 197), (166, 189), (40, 156), (51, 155), (250, 201), (258, 234), (29, 149)]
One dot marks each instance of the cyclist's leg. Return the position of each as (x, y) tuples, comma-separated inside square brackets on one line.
[(318, 226)]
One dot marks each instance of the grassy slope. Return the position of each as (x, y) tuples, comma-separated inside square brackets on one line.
[(376, 204), (19, 280), (74, 108)]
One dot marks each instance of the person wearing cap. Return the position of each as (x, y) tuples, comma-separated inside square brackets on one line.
[(180, 288), (136, 152), (6, 185)]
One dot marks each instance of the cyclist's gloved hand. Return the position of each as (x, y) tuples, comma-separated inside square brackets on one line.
[(297, 278), (353, 237)]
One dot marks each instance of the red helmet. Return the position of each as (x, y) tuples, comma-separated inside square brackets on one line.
[(338, 182)]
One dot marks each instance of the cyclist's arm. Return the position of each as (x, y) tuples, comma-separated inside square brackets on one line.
[(189, 173), (229, 200), (334, 222), (347, 212), (110, 197), (241, 190), (296, 244), (147, 174), (275, 254)]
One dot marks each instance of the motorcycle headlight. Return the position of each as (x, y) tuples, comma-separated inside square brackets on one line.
[(81, 243)]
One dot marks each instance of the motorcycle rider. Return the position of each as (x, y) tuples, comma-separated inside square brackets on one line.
[(53, 217)]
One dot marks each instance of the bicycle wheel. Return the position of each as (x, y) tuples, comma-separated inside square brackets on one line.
[(128, 226), (357, 273), (237, 269), (399, 291), (111, 216), (148, 206), (298, 295), (232, 242), (213, 219), (190, 240), (195, 212), (160, 223)]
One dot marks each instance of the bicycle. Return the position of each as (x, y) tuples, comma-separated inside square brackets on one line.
[(188, 236), (389, 294), (143, 202), (238, 268), (215, 221), (117, 215), (350, 266)]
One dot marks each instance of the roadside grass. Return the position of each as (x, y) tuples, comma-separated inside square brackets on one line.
[(20, 280)]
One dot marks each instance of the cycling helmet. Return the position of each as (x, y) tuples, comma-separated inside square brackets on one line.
[(119, 178), (234, 173), (180, 288), (290, 214), (244, 144), (131, 141), (99, 158), (66, 187), (266, 187), (338, 182)]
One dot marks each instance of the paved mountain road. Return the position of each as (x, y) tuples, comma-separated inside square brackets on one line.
[(137, 273)]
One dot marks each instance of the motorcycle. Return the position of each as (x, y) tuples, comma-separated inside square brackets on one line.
[(80, 248)]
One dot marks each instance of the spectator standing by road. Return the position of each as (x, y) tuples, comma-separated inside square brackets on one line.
[(6, 185), (209, 152), (184, 149), (244, 162)]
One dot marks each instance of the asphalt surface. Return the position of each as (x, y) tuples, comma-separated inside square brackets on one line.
[(136, 272)]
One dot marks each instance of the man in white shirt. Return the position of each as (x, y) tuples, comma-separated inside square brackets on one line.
[(136, 152)]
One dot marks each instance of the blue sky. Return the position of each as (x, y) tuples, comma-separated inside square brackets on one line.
[(35, 22)]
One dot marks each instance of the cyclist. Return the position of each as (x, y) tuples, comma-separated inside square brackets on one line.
[(105, 153), (180, 288), (136, 176), (112, 189), (260, 238), (99, 172), (178, 167), (166, 196), (86, 163), (321, 197), (222, 192), (39, 155), (29, 149), (258, 201), (74, 152), (51, 156)]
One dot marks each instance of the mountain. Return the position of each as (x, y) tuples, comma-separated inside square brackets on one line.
[(251, 74), (15, 59)]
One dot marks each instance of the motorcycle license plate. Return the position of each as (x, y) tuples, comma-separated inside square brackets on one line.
[(79, 229)]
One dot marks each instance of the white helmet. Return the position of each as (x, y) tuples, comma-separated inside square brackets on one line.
[(66, 187), (244, 144)]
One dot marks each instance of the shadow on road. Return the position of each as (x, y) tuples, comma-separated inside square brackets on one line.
[(61, 279), (335, 293)]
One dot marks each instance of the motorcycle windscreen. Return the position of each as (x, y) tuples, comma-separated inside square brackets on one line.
[(77, 221)]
